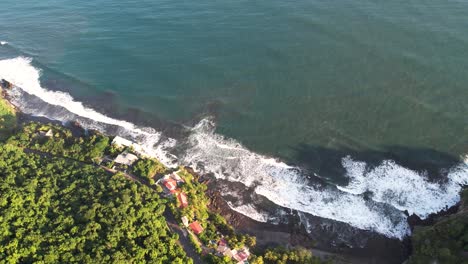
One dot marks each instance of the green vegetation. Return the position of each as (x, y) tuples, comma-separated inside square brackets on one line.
[(57, 206), (195, 243), (7, 119), (216, 227), (285, 256), (446, 241), (61, 143), (57, 210), (147, 168), (212, 223), (197, 208)]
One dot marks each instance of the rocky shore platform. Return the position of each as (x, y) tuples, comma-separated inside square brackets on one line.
[(377, 249)]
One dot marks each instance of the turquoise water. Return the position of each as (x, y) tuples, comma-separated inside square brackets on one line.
[(340, 74), (308, 82)]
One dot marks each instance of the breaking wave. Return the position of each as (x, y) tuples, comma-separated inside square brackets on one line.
[(62, 107), (393, 188), (405, 189), (3, 43), (285, 185)]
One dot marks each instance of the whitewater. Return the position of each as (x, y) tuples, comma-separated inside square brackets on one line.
[(394, 189)]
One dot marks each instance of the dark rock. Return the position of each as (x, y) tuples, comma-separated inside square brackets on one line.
[(6, 84)]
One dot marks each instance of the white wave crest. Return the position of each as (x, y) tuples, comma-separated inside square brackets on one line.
[(26, 77), (394, 188), (403, 188), (3, 43), (285, 185)]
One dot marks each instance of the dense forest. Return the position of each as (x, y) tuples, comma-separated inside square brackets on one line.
[(60, 141), (56, 211)]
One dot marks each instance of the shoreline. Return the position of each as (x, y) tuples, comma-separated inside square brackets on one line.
[(294, 235), (243, 224), (290, 235)]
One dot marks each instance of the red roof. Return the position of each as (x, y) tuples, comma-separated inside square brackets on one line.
[(222, 242), (170, 184), (196, 227), (241, 256), (182, 199)]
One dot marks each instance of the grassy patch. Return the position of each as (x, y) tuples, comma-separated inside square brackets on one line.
[(7, 119)]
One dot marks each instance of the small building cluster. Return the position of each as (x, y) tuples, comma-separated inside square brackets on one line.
[(172, 187), (124, 159), (171, 183), (240, 255)]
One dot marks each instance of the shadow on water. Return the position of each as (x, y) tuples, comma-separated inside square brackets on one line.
[(327, 162)]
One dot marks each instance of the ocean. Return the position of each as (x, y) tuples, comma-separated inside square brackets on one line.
[(348, 111)]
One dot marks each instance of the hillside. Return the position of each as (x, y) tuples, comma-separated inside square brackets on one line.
[(444, 242)]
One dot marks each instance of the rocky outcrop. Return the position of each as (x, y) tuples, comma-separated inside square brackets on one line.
[(5, 84)]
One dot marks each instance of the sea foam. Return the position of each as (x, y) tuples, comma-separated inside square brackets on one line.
[(284, 185), (3, 43), (394, 188), (26, 77), (403, 188)]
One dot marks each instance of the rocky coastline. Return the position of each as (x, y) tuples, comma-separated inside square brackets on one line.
[(379, 249)]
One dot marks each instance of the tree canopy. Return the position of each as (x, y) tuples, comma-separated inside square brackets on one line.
[(147, 168), (53, 210), (7, 118)]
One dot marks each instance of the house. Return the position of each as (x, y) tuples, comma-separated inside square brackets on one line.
[(184, 220), (126, 159), (49, 133), (241, 255), (222, 242), (228, 253), (221, 249), (196, 227), (182, 198), (170, 184), (176, 177), (122, 142)]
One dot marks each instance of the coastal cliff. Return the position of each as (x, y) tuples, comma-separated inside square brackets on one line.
[(444, 242)]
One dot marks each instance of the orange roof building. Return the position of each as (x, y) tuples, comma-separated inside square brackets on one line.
[(170, 184), (183, 201), (196, 227)]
